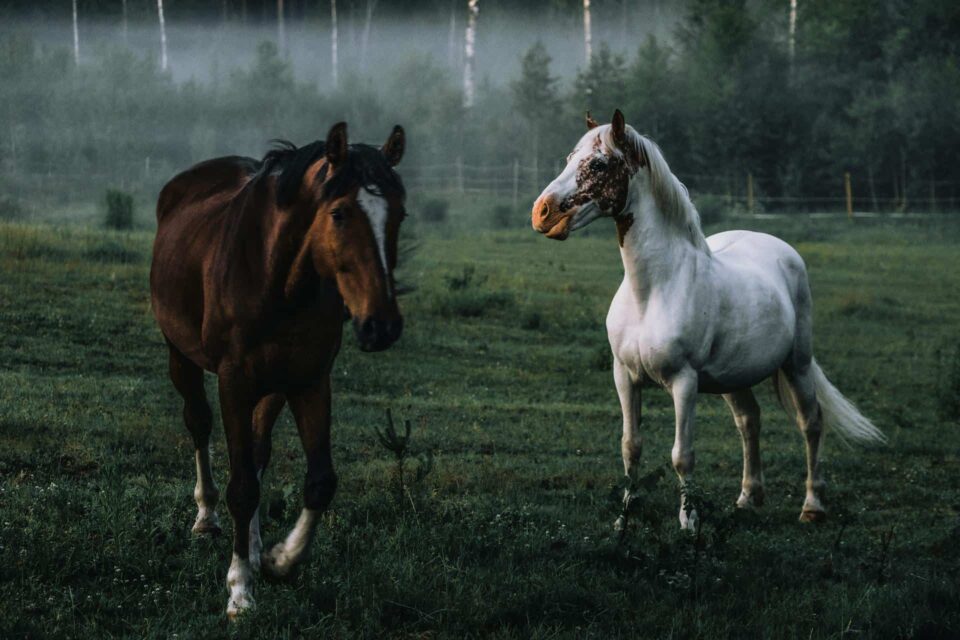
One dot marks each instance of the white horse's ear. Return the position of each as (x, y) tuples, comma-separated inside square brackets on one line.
[(619, 127), (591, 123)]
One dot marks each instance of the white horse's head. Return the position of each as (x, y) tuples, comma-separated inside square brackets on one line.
[(596, 181)]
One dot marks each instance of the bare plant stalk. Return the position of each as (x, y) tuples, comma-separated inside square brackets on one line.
[(469, 88), (163, 36), (587, 31), (334, 36), (76, 36)]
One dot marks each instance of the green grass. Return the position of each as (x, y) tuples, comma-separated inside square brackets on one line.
[(506, 379)]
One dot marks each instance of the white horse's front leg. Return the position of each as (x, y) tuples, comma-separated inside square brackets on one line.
[(631, 445), (683, 388)]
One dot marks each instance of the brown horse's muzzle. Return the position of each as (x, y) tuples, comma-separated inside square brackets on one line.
[(377, 333), (549, 219)]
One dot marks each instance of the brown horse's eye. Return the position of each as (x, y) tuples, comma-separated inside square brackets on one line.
[(338, 214)]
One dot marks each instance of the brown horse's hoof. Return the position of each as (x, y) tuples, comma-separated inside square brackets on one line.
[(812, 516), (209, 528)]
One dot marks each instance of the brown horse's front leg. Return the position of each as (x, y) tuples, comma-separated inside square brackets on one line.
[(311, 409), (237, 403)]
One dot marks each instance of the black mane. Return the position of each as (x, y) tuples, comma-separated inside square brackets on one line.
[(365, 166)]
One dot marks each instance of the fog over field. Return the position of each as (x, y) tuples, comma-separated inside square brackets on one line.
[(203, 49), (755, 111)]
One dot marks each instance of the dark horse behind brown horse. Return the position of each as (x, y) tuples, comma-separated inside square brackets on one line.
[(253, 265)]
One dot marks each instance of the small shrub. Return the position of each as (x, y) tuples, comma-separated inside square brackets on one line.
[(435, 211), (119, 209), (712, 209)]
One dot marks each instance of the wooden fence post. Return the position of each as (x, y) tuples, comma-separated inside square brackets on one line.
[(849, 193), (516, 182), (749, 193)]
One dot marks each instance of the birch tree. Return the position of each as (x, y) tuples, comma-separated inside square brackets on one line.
[(469, 87), (587, 31), (76, 36), (281, 28), (163, 36), (792, 43), (452, 37), (367, 26), (334, 36)]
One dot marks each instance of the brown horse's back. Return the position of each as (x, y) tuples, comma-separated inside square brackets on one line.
[(216, 180), (191, 213)]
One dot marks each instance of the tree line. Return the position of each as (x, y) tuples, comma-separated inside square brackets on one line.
[(871, 89)]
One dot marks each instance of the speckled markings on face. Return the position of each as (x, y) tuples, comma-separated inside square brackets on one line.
[(605, 180)]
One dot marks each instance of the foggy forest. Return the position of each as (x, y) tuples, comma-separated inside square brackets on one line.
[(766, 101)]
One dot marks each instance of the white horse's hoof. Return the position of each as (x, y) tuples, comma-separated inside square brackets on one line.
[(620, 524), (688, 523), (750, 501)]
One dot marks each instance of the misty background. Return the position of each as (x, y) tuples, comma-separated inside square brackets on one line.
[(758, 105)]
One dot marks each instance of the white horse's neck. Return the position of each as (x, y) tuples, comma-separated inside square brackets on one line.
[(658, 254)]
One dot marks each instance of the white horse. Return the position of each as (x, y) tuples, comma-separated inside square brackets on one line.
[(694, 314)]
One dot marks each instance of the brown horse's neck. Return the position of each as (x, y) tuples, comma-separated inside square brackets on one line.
[(266, 255)]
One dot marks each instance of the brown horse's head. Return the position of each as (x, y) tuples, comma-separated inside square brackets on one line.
[(359, 203), (595, 182)]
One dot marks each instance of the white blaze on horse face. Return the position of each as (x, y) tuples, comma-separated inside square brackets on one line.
[(376, 209)]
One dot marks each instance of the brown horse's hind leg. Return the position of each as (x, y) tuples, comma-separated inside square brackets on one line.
[(264, 416), (237, 403), (312, 412), (188, 380)]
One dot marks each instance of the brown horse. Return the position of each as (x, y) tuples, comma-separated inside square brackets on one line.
[(254, 266)]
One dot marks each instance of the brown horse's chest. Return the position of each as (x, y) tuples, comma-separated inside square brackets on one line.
[(295, 352)]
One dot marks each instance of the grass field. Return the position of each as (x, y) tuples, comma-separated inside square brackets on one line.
[(504, 373)]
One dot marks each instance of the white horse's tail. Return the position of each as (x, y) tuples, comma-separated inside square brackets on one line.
[(838, 413)]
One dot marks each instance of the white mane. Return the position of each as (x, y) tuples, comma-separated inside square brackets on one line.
[(671, 196)]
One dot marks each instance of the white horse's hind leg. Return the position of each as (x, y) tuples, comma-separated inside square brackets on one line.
[(746, 415), (800, 383), (631, 444), (683, 388)]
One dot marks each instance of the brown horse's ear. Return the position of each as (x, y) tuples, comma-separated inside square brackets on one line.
[(393, 148), (336, 145), (591, 123), (619, 128)]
